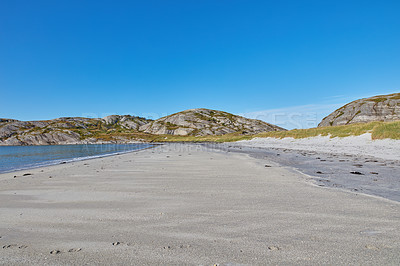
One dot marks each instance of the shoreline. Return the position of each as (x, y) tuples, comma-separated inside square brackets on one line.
[(75, 143), (76, 159)]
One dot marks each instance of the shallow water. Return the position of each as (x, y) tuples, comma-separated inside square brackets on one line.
[(14, 158)]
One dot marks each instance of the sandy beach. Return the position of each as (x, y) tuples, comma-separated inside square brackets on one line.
[(189, 204)]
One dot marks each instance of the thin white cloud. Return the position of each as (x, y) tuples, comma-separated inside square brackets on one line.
[(303, 116), (336, 97)]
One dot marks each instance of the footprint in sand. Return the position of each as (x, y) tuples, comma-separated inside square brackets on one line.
[(53, 252), (176, 247), (14, 246), (371, 247), (273, 248), (74, 250), (117, 243), (57, 251)]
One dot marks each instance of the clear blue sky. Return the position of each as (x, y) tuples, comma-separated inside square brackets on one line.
[(152, 58)]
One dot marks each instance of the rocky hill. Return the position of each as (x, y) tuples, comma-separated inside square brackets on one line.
[(66, 130), (202, 122), (377, 108), (126, 128)]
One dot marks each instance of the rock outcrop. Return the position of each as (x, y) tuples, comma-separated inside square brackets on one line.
[(49, 138), (377, 108), (201, 122), (126, 121), (66, 130), (126, 128), (5, 120)]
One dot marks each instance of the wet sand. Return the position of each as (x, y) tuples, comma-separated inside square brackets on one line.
[(189, 204), (357, 173)]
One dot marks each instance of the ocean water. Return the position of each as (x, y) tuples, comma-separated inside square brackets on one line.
[(14, 158)]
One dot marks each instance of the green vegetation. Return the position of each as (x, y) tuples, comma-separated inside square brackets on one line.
[(339, 115), (378, 100), (387, 131), (382, 98), (201, 116), (171, 126), (210, 138)]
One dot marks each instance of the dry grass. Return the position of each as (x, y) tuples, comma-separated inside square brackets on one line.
[(222, 138), (387, 131), (378, 130)]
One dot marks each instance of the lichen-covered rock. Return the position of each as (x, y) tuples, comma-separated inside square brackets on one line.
[(201, 122), (377, 108), (126, 121), (51, 138)]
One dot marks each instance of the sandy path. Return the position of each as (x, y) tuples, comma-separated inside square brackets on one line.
[(181, 205)]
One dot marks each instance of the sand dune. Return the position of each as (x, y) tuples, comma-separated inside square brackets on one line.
[(358, 145)]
